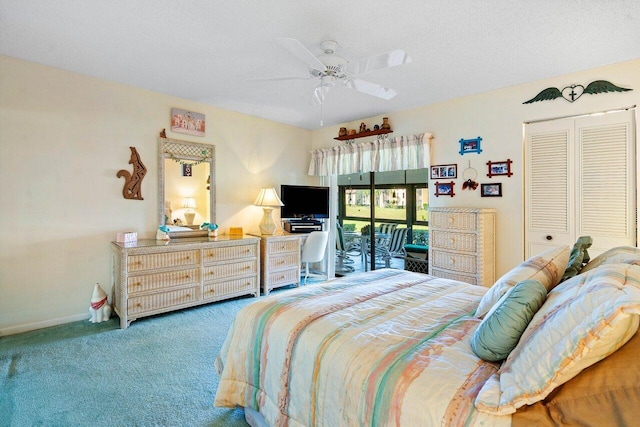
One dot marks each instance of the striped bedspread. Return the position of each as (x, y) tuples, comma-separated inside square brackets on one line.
[(383, 348)]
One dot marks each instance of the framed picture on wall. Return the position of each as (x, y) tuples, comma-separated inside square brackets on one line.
[(183, 121), (470, 146), (491, 190), (499, 168), (444, 189), (444, 171)]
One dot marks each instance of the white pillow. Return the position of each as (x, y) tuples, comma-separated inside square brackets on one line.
[(620, 254), (546, 267), (583, 320)]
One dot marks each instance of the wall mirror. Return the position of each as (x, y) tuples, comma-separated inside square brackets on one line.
[(186, 186)]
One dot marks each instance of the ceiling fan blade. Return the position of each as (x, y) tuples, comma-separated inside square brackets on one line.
[(370, 88), (279, 78), (385, 60), (298, 50)]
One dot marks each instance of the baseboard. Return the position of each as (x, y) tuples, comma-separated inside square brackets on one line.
[(18, 329)]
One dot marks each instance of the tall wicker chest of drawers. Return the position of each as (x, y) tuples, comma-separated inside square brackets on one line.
[(462, 244), (151, 277)]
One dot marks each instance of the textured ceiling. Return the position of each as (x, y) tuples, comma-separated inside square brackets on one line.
[(209, 51)]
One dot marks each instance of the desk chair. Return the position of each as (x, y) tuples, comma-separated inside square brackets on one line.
[(313, 251)]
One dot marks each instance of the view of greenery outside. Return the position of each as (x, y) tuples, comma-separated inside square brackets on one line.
[(391, 206)]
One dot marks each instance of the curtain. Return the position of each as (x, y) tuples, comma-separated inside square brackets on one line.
[(382, 155)]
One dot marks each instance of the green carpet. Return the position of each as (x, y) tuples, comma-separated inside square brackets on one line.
[(158, 372)]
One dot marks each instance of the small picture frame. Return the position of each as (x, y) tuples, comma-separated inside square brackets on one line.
[(499, 168), (470, 146), (444, 171), (491, 190), (187, 169), (444, 189)]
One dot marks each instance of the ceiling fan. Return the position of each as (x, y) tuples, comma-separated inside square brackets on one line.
[(332, 70)]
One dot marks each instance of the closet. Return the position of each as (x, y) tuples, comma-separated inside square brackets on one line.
[(580, 179)]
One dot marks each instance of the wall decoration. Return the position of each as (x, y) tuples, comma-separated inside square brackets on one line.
[(133, 181), (183, 121), (444, 171), (470, 146), (491, 190), (469, 175), (445, 189), (187, 169), (572, 92), (499, 168)]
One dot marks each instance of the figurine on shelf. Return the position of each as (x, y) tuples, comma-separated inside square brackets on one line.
[(212, 228), (363, 128), (376, 127), (385, 123), (342, 132)]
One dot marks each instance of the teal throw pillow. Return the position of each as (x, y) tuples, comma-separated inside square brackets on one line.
[(500, 330)]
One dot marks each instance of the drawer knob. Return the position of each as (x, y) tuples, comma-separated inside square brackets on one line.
[(137, 284), (138, 305), (452, 261), (453, 240), (451, 219), (187, 296), (549, 237), (212, 291)]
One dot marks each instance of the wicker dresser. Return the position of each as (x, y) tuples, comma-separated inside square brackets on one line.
[(280, 260), (462, 244), (152, 277)]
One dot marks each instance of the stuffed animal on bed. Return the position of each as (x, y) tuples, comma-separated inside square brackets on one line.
[(578, 258)]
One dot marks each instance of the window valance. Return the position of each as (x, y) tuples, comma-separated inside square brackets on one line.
[(382, 155)]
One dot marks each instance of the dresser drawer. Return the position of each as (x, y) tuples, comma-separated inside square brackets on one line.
[(222, 271), (229, 253), (278, 262), (155, 281), (220, 289), (455, 276), (451, 261), (283, 277), (165, 259), (162, 300), (454, 241), (283, 246), (454, 220)]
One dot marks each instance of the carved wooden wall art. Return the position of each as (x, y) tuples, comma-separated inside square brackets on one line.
[(133, 181)]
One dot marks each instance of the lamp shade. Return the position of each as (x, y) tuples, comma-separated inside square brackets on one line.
[(268, 197), (189, 203)]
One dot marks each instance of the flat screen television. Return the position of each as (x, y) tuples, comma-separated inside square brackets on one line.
[(303, 201)]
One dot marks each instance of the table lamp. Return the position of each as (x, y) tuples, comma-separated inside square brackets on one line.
[(268, 199), (189, 205)]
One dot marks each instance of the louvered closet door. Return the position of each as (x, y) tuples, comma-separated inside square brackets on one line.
[(581, 178)]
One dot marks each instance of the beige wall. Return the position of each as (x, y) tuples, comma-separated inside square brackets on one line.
[(498, 118), (64, 137)]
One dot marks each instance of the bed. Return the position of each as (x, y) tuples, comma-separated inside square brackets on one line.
[(393, 347)]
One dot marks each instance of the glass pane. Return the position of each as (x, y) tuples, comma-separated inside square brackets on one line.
[(391, 203), (422, 204), (357, 202)]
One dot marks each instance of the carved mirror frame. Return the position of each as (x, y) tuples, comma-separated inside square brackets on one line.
[(191, 153)]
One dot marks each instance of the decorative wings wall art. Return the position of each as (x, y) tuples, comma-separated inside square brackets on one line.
[(573, 92)]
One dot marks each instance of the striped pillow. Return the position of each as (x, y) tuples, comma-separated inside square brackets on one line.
[(547, 268), (583, 320), (620, 254)]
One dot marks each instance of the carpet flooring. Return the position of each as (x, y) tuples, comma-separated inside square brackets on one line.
[(157, 372)]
